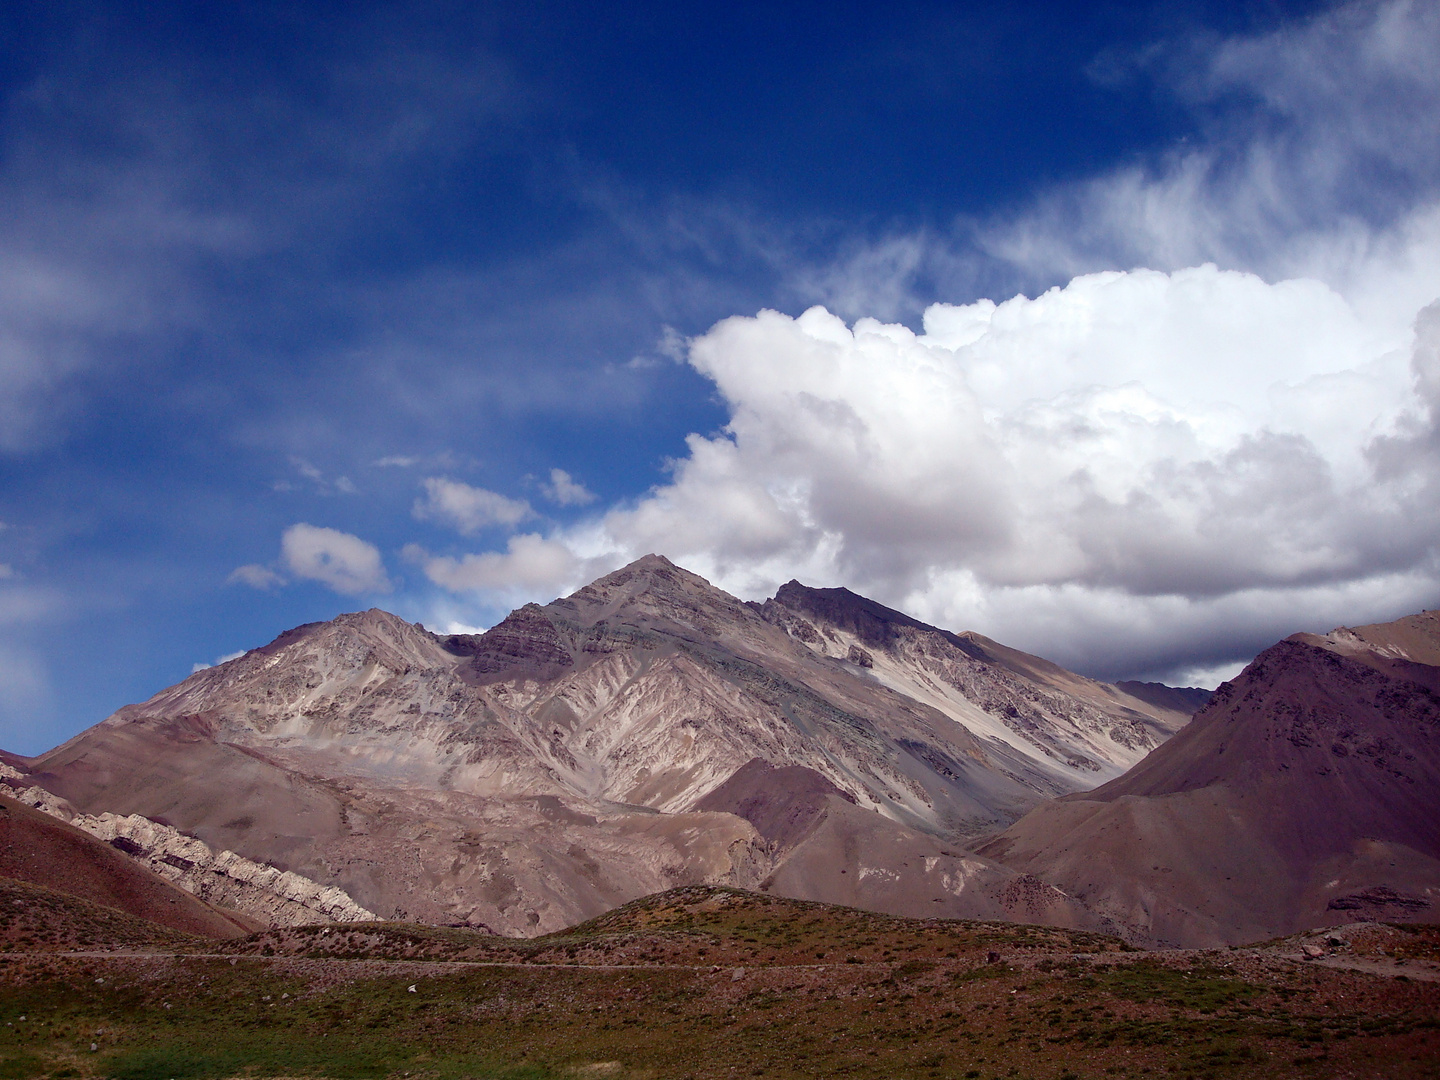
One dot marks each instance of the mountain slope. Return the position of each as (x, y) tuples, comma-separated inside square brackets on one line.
[(37, 849), (1072, 731), (565, 761), (1305, 793)]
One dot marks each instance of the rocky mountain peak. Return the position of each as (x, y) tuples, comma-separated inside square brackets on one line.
[(403, 643), (654, 593), (874, 625), (561, 761)]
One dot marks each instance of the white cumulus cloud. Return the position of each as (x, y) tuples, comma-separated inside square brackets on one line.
[(1137, 443), (468, 509), (339, 560), (531, 563), (1116, 473), (565, 490)]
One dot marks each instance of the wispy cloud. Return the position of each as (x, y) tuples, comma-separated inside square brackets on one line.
[(564, 490), (256, 576), (468, 509)]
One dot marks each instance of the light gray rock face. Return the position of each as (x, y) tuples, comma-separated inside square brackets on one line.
[(560, 763), (1072, 733), (275, 897)]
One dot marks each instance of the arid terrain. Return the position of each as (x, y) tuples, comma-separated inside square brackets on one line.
[(1305, 793), (651, 731), (648, 731), (651, 832), (707, 982)]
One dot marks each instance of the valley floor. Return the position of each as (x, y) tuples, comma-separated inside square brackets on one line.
[(713, 983)]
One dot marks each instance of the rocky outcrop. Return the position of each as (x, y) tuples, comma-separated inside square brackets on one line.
[(523, 645), (41, 850), (274, 897)]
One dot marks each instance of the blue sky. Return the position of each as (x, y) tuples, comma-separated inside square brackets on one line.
[(1098, 328)]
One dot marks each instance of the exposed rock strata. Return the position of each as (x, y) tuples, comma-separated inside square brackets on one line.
[(41, 850), (559, 765), (274, 897)]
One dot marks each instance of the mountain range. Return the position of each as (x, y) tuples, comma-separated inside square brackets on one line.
[(651, 730)]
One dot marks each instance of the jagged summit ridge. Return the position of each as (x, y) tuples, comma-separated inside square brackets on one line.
[(563, 760), (1067, 725)]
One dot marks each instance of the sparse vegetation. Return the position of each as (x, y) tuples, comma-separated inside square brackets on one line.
[(627, 995)]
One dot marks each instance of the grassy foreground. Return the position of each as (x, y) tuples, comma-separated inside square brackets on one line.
[(712, 983)]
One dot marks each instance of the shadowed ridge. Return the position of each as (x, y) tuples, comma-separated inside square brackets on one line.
[(523, 645), (1293, 702), (873, 623), (879, 627), (1066, 724), (1189, 699)]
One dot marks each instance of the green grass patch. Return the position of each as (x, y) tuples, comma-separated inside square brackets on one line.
[(1198, 989)]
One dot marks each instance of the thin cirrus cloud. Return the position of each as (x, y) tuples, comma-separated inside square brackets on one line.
[(1317, 155), (1321, 159), (206, 162), (256, 576)]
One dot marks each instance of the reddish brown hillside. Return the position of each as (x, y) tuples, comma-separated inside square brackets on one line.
[(41, 850), (1306, 793)]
